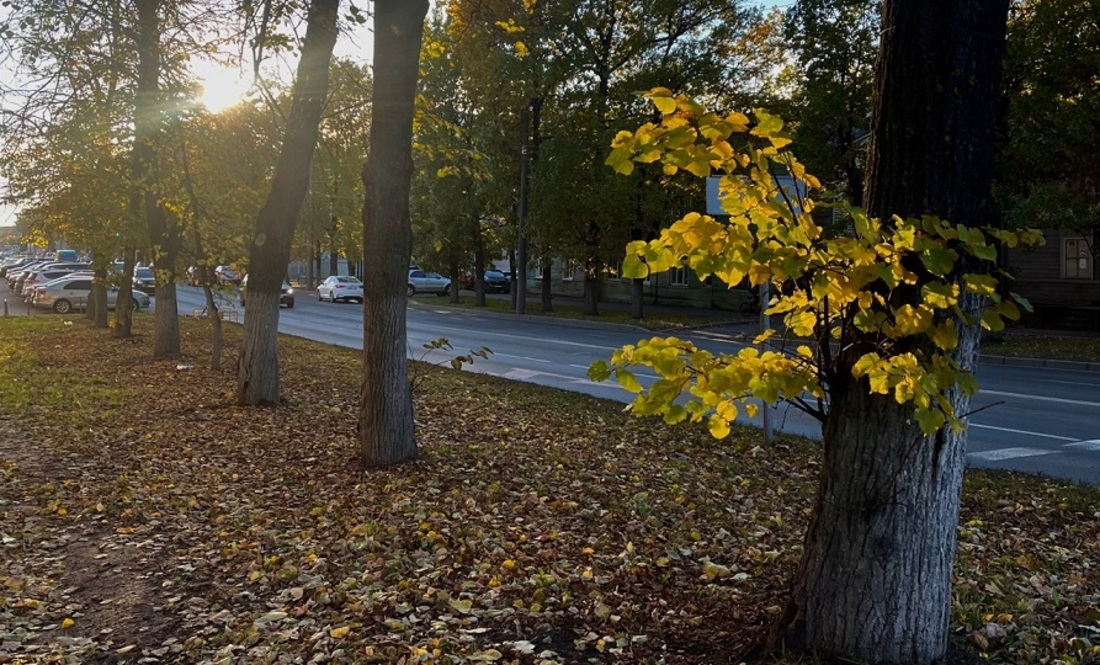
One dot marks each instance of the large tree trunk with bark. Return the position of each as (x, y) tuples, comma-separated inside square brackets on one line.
[(258, 365), (165, 237), (386, 412), (874, 584)]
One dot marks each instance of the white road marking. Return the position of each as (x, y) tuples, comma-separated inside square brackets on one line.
[(1040, 398), (1093, 445), (1024, 431), (1073, 383), (1010, 453)]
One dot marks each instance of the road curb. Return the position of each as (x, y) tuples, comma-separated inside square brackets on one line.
[(1048, 363)]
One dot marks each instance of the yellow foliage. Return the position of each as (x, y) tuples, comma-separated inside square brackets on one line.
[(882, 287)]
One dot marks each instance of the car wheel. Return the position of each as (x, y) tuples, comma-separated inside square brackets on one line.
[(446, 291), (359, 300), (332, 297), (410, 291), (290, 304), (62, 306), (135, 305)]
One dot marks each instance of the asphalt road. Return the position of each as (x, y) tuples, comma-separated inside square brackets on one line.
[(1036, 420)]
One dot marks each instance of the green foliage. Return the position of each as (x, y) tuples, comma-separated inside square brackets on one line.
[(880, 304), (1050, 158)]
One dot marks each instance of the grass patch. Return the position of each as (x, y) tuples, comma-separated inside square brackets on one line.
[(35, 386), (537, 520), (663, 320), (1054, 347)]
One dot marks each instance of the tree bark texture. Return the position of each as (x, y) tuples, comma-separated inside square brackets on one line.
[(386, 412), (874, 584), (165, 237), (124, 316), (257, 373)]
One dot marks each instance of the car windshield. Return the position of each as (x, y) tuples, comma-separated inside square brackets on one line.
[(349, 280), (143, 273)]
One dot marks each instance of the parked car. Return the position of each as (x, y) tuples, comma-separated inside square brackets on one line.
[(340, 287), (427, 282), (72, 292), (20, 282), (41, 277), (14, 274), (14, 263), (495, 282), (228, 274), (144, 280), (286, 293)]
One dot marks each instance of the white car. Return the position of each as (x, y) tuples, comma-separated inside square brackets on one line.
[(340, 287), (73, 291), (427, 282)]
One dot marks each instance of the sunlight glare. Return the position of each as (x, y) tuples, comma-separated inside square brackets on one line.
[(222, 88)]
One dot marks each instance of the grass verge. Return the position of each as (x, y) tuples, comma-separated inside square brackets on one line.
[(539, 525), (1053, 347)]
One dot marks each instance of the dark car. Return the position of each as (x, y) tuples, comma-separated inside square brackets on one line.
[(286, 293), (495, 282), (144, 280)]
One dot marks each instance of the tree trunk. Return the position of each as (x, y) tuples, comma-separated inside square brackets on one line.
[(258, 365), (591, 287), (479, 268), (164, 237), (386, 410), (124, 316), (637, 291), (99, 299), (874, 584), (547, 287), (215, 315), (456, 278)]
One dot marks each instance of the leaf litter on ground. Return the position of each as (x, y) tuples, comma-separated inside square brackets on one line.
[(145, 518)]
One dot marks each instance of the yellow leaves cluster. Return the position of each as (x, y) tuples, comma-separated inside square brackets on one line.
[(893, 289)]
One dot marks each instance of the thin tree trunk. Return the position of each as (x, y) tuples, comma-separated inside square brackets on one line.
[(874, 583), (99, 298), (124, 317), (547, 288), (637, 291), (591, 287), (456, 277), (479, 267), (386, 429), (215, 315), (258, 365)]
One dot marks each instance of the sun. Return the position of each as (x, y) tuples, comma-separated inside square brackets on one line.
[(221, 87)]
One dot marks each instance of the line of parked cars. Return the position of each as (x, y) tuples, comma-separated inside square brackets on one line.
[(60, 286)]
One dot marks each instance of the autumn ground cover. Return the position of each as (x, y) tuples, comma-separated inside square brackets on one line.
[(144, 516)]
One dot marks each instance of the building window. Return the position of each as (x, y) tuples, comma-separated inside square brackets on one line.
[(678, 276), (1077, 260), (569, 270)]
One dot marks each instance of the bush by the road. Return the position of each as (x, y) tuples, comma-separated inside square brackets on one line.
[(144, 516)]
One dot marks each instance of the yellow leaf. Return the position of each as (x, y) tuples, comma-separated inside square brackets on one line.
[(339, 633), (665, 105), (68, 623), (719, 427)]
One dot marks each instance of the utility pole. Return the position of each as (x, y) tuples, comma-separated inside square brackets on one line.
[(765, 324), (521, 213)]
